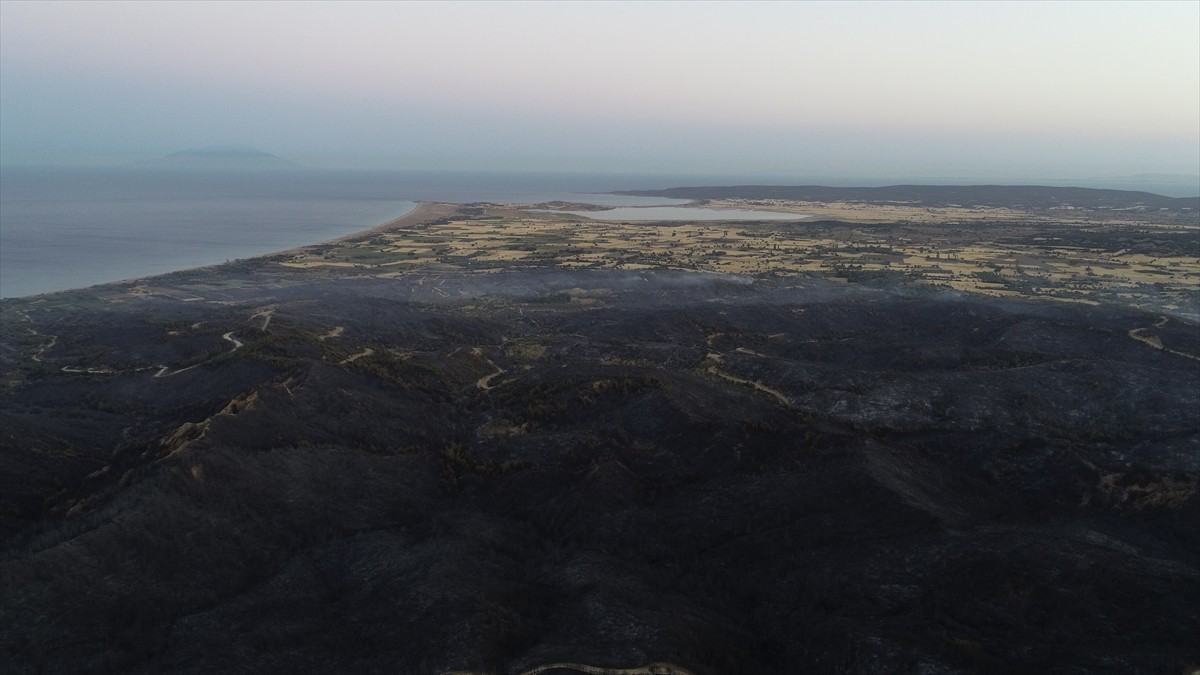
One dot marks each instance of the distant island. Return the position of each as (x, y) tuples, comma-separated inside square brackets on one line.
[(221, 157)]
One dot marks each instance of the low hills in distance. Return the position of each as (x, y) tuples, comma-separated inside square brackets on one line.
[(1009, 196), (220, 157)]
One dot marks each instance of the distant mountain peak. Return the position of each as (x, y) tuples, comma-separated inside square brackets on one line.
[(221, 157)]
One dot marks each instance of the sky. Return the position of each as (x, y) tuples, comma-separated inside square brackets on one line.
[(1003, 89)]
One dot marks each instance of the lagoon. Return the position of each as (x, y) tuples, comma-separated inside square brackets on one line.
[(694, 213)]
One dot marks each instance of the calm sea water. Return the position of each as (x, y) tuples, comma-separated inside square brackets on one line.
[(70, 228)]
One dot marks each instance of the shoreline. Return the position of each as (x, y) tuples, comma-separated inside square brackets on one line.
[(422, 212)]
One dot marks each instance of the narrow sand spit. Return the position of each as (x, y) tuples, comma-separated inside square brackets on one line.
[(422, 212)]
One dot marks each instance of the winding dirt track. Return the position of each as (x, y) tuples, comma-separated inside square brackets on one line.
[(753, 383), (367, 351), (237, 344), (1154, 341), (714, 370), (41, 350), (484, 382), (88, 371), (165, 371), (334, 332), (656, 668)]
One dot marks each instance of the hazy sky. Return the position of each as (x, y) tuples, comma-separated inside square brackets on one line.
[(920, 89)]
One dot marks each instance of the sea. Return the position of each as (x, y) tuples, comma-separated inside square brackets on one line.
[(64, 228)]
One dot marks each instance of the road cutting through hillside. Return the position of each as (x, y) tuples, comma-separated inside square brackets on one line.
[(237, 344), (741, 380), (1156, 342), (657, 668), (266, 314), (165, 371), (42, 350), (484, 382), (367, 351)]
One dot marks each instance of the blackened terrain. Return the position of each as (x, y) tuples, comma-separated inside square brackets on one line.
[(490, 472)]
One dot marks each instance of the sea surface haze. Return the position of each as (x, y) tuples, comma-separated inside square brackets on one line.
[(76, 227)]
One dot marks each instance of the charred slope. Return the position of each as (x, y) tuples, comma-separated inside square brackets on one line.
[(1018, 196), (730, 478)]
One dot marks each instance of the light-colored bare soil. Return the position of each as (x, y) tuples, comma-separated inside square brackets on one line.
[(422, 212), (1140, 335), (778, 395), (165, 371), (266, 315), (237, 344), (1145, 337), (367, 351), (37, 356), (88, 371), (485, 382), (751, 352), (657, 668)]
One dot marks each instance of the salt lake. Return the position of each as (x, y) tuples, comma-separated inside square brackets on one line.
[(691, 213)]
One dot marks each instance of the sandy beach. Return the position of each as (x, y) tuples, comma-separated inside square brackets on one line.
[(422, 212)]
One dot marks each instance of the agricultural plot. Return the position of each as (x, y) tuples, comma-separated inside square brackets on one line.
[(1077, 255)]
